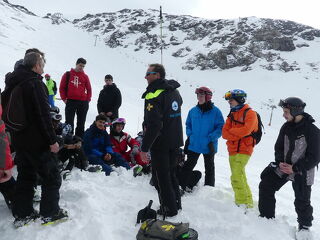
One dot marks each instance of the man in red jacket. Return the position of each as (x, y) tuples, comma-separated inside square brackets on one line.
[(75, 91)]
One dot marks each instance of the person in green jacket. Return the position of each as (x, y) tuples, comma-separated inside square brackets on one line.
[(52, 89)]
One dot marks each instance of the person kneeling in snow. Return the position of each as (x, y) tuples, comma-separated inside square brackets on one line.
[(98, 148), (70, 147), (121, 140)]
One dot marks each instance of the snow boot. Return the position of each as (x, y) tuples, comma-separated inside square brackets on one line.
[(61, 216), (20, 222), (304, 233)]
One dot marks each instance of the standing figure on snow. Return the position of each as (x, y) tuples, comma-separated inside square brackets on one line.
[(52, 89), (109, 100), (203, 127), (34, 144), (241, 122), (297, 154), (121, 141), (75, 91), (7, 182), (97, 146), (163, 136)]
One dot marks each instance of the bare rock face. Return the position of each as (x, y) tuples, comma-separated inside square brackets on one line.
[(203, 44), (56, 18)]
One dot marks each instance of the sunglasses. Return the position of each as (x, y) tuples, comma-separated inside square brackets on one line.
[(149, 73)]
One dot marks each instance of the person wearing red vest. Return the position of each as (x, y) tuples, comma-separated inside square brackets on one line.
[(75, 91)]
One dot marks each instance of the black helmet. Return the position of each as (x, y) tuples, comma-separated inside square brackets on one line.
[(55, 109), (295, 104)]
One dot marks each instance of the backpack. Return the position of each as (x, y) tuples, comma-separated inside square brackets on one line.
[(256, 135), (153, 229), (14, 112)]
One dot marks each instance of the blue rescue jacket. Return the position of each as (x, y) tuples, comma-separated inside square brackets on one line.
[(203, 128)]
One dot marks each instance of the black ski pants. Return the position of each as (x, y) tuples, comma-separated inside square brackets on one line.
[(76, 158), (79, 108), (192, 159), (271, 182), (8, 191), (165, 180), (30, 164)]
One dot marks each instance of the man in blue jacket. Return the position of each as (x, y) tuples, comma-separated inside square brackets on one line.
[(203, 127), (98, 148)]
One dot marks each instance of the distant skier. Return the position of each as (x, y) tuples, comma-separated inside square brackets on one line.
[(297, 154), (52, 89), (237, 131), (109, 100)]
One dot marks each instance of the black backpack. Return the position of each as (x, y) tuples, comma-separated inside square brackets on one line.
[(14, 112), (256, 135)]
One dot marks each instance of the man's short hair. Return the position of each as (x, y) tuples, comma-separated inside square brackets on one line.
[(31, 59), (159, 68), (81, 60), (102, 117), (36, 50), (108, 76)]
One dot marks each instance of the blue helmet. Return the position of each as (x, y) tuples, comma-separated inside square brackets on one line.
[(237, 94)]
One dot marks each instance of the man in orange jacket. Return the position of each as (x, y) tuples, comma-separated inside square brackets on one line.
[(240, 124)]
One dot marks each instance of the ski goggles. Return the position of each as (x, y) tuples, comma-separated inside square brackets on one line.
[(228, 95), (149, 73), (202, 92), (56, 117)]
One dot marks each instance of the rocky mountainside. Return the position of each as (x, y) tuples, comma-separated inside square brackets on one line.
[(201, 43)]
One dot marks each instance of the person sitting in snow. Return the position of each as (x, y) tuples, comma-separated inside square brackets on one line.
[(71, 152), (121, 141), (97, 146)]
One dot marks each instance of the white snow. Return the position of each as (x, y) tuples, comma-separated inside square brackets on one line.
[(105, 207)]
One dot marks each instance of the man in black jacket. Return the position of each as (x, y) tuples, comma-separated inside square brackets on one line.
[(34, 145), (163, 136), (109, 100), (296, 156)]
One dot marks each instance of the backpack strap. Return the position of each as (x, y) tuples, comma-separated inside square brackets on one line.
[(67, 82)]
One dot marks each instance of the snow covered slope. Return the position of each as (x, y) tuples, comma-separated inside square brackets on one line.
[(105, 207)]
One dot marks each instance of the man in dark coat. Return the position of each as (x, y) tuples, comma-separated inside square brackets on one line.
[(297, 154), (109, 100), (163, 136), (34, 145)]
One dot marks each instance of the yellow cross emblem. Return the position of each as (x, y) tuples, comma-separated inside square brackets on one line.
[(149, 107), (167, 227)]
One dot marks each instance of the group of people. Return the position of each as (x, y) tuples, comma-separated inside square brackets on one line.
[(159, 144)]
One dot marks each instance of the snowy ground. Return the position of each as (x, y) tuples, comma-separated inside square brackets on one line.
[(105, 207)]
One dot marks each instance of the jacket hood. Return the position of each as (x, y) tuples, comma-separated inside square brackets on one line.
[(82, 73), (162, 84), (308, 117), (20, 74)]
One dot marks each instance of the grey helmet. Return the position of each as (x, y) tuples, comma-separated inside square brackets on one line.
[(295, 104)]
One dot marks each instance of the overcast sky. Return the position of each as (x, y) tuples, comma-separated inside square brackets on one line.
[(302, 11)]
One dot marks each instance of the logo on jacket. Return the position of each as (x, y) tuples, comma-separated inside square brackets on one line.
[(76, 81), (149, 107), (175, 106)]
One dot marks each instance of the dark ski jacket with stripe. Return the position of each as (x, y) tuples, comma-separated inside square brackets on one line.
[(162, 116), (298, 145)]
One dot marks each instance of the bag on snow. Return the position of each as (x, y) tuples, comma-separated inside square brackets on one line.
[(153, 229)]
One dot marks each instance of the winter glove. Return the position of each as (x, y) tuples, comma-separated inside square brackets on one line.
[(135, 150)]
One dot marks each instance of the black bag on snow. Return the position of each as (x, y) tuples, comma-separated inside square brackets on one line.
[(153, 229)]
